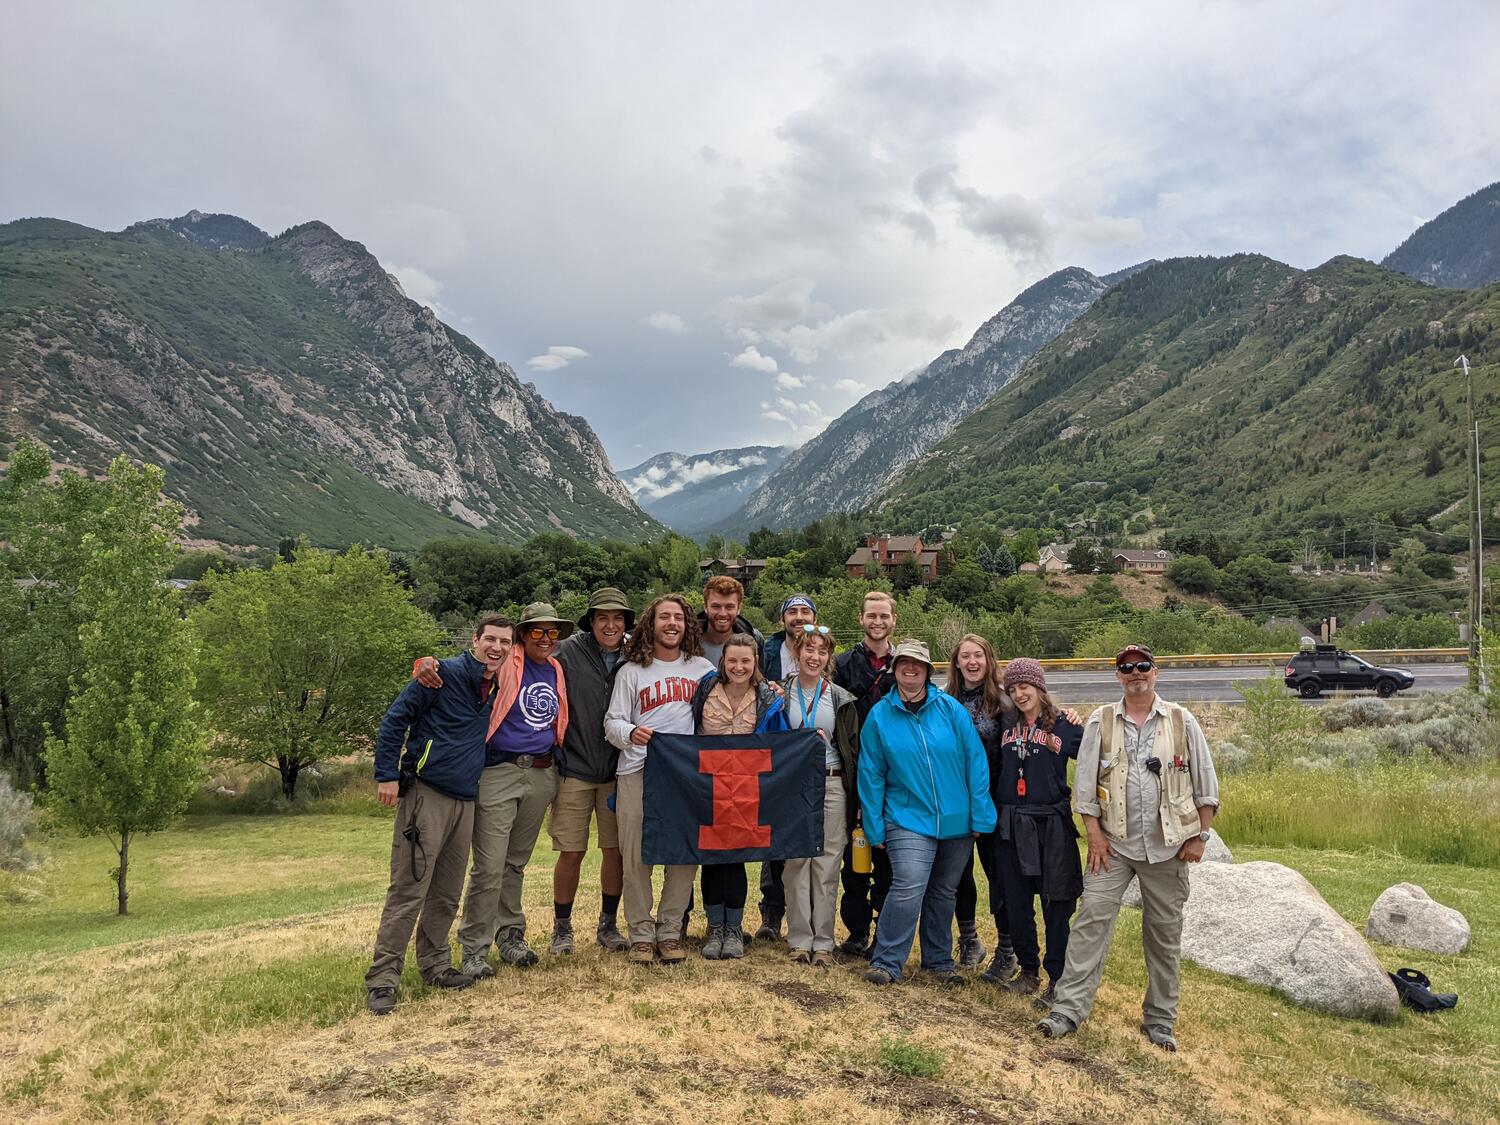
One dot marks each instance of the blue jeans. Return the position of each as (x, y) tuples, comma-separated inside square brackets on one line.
[(924, 879)]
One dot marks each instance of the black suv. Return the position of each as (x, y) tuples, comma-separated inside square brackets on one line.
[(1329, 668)]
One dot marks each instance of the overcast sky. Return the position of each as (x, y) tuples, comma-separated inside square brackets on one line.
[(703, 225)]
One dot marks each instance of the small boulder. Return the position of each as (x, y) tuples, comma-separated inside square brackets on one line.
[(1265, 923), (1406, 915), (1215, 851)]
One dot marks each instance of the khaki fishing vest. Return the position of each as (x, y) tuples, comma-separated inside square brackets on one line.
[(1178, 810)]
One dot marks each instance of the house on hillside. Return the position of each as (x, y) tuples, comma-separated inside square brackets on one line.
[(889, 551), (1149, 562), (1372, 612), (746, 570), (1053, 558)]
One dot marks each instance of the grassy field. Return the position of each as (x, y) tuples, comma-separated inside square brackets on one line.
[(234, 993)]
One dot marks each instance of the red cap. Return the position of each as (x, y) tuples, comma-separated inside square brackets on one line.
[(1141, 653)]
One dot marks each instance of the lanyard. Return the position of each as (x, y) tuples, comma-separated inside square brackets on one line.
[(809, 716)]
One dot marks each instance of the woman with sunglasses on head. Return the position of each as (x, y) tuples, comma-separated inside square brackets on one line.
[(734, 699), (1035, 848), (815, 702), (975, 682)]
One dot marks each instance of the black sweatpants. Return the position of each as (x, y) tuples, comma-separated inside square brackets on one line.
[(724, 884), (1020, 893), (772, 893), (864, 892), (968, 892)]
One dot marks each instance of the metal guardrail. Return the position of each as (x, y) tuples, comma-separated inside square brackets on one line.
[(1251, 659)]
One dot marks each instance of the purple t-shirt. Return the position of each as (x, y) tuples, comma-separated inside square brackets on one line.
[(527, 726)]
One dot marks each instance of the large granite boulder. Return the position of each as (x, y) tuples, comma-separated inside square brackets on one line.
[(1406, 915), (1265, 923), (1215, 851)]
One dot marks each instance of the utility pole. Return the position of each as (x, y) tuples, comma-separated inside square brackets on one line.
[(1476, 537), (1374, 559)]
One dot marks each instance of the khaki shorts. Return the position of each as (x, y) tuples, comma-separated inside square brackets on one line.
[(575, 802)]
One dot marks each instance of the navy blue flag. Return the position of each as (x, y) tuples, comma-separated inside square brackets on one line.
[(733, 798)]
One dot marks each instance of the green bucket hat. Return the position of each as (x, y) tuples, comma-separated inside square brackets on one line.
[(607, 598), (542, 613)]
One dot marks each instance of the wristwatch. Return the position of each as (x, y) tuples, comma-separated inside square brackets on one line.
[(1203, 836)]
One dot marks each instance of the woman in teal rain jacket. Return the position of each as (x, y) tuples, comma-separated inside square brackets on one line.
[(924, 786)]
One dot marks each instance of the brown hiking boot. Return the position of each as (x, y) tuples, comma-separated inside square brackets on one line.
[(609, 936), (643, 952), (671, 951), (1024, 984)]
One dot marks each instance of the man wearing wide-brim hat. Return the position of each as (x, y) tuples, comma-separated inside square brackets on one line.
[(528, 723), (586, 770)]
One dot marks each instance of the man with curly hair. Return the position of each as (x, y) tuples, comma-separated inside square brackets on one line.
[(653, 692)]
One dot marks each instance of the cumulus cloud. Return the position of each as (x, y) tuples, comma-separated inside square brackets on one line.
[(751, 359), (667, 322), (850, 386), (789, 382), (680, 472), (1014, 222), (785, 303), (556, 358)]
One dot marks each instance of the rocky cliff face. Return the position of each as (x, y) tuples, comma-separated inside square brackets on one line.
[(846, 466), (287, 387)]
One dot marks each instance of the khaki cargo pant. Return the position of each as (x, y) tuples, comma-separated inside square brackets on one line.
[(427, 876), (1164, 891), (677, 880), (812, 885), (513, 800)]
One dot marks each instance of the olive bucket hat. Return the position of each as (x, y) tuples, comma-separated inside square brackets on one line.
[(542, 613), (607, 598)]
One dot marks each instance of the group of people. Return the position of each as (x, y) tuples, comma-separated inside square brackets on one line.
[(538, 715)]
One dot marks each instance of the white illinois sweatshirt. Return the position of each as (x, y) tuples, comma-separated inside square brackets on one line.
[(658, 695)]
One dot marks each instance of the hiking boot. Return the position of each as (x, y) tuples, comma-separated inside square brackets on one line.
[(477, 965), (949, 978), (516, 952), (1160, 1034), (562, 938), (671, 951), (971, 952), (855, 945), (880, 977), (770, 926), (1002, 968), (1024, 984), (1056, 1026), (642, 953), (381, 1000), (801, 956), (609, 936), (713, 945), (451, 979), (734, 944), (1043, 1002), (821, 959)]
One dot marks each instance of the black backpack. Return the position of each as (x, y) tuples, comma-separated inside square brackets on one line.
[(1416, 992)]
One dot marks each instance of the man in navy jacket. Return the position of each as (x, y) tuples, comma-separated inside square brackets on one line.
[(429, 754)]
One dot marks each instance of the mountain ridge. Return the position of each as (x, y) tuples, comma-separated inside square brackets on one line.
[(690, 493), (1459, 248), (290, 386)]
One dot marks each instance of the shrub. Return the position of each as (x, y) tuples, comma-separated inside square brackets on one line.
[(17, 822), (910, 1059), (1230, 757), (1451, 736), (1362, 711), (1275, 724)]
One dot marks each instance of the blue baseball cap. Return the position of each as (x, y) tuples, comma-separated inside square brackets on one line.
[(798, 599)]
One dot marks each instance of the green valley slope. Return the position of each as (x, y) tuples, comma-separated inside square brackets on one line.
[(1234, 393), (287, 386)]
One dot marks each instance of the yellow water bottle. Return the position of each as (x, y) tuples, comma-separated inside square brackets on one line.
[(862, 860)]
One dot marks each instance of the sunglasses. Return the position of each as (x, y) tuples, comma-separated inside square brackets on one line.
[(821, 630), (536, 633), (1138, 666)]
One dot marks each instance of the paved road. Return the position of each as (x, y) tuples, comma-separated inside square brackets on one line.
[(1216, 685)]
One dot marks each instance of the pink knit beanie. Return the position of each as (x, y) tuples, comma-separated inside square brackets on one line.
[(1024, 670)]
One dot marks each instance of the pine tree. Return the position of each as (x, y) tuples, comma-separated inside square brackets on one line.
[(133, 749)]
